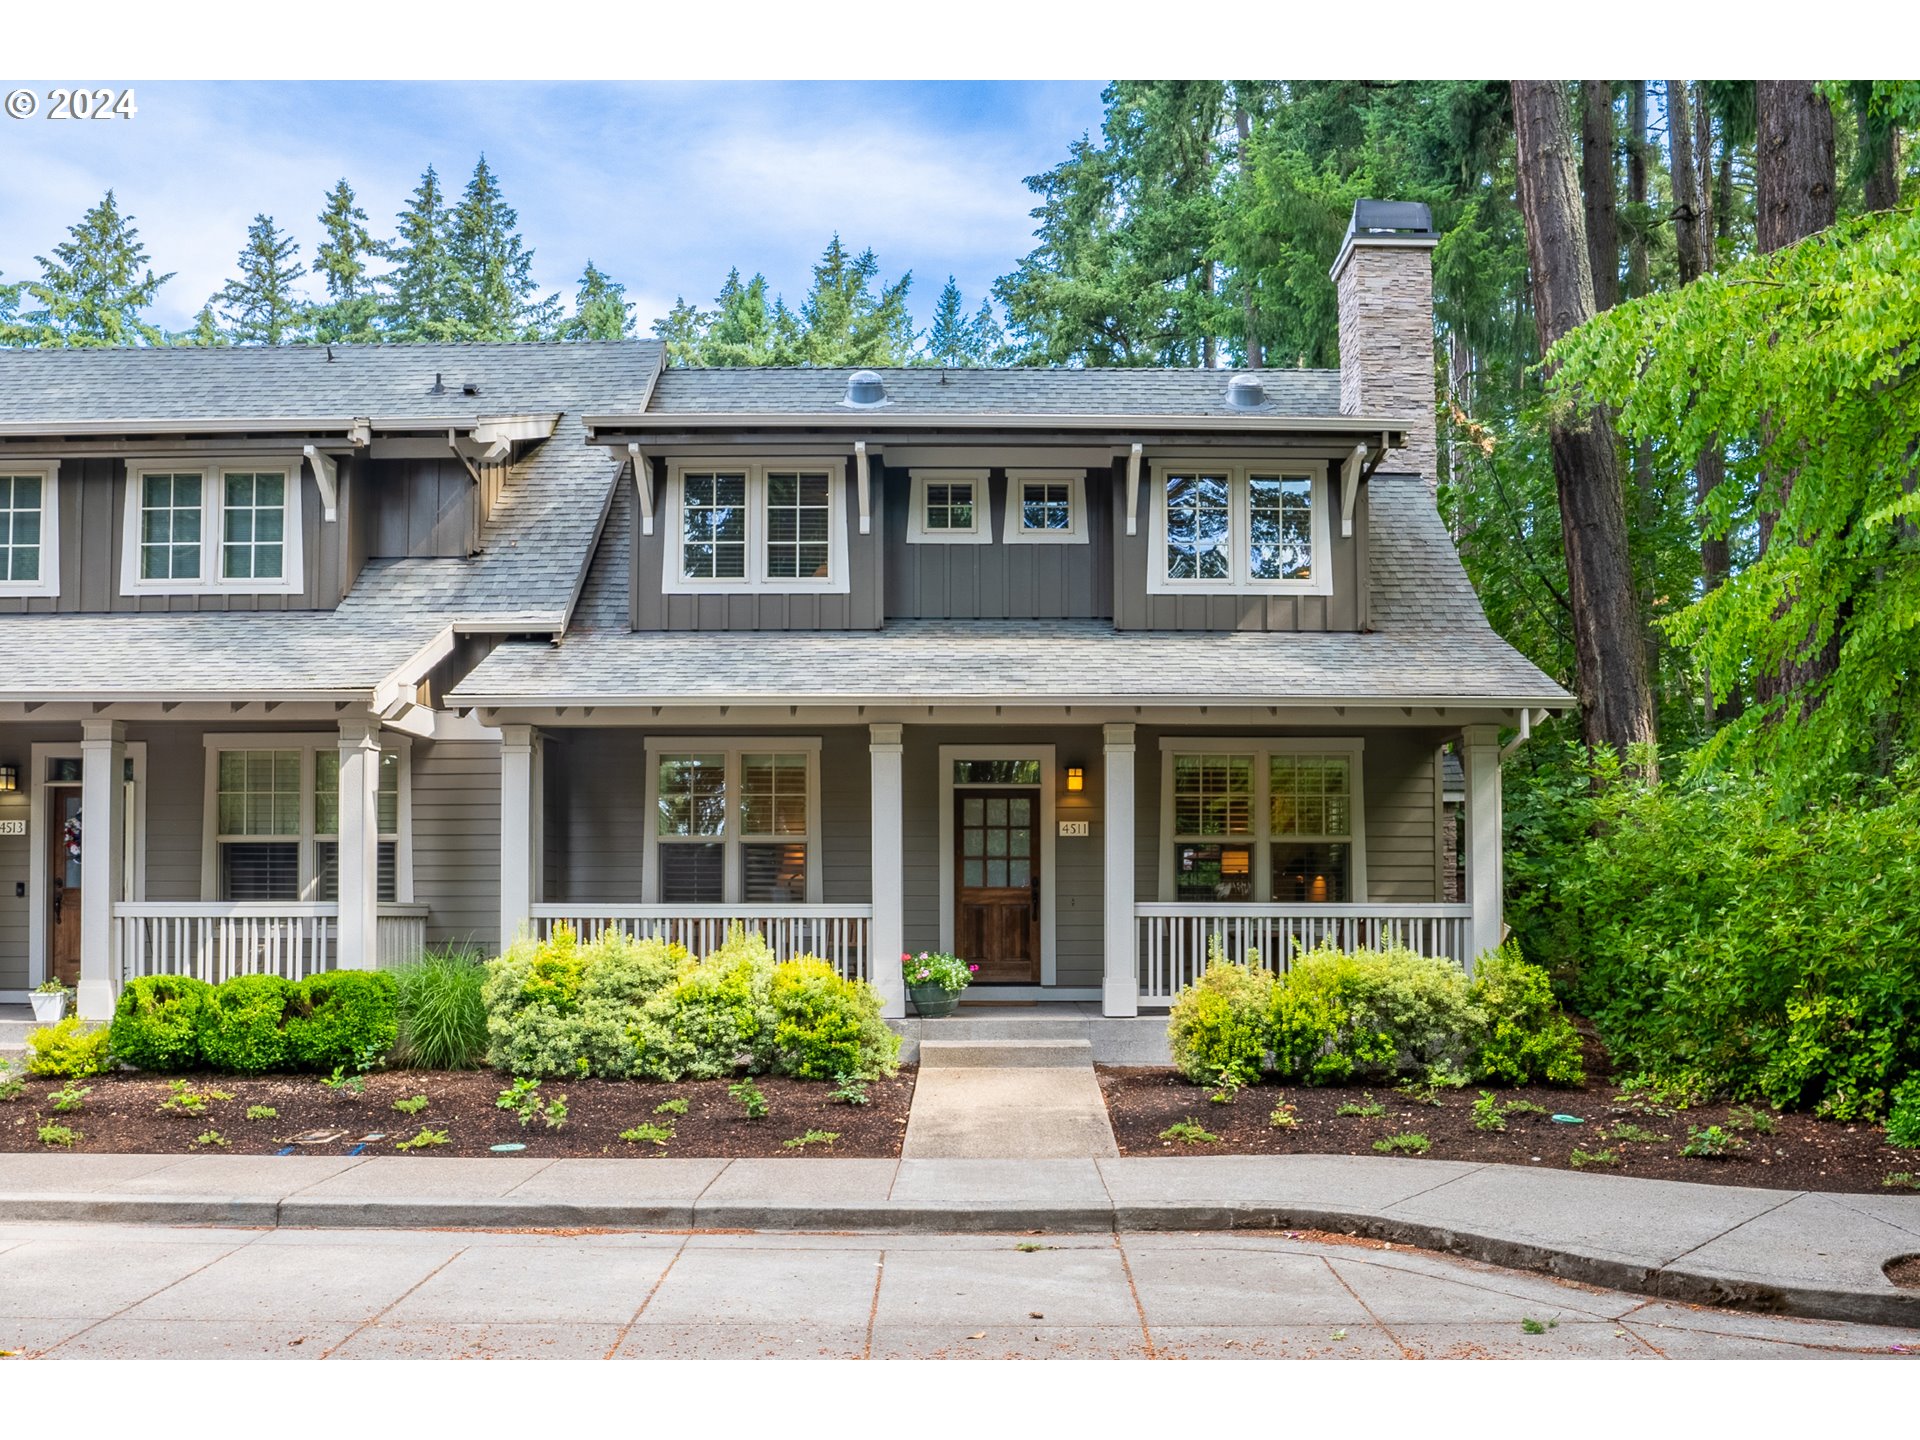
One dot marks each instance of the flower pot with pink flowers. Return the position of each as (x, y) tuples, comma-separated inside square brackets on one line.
[(935, 980)]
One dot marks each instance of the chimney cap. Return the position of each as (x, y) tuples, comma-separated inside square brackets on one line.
[(1407, 218)]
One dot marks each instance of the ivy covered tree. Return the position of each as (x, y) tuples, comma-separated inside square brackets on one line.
[(260, 305), (423, 293), (601, 310), (352, 308), (97, 286)]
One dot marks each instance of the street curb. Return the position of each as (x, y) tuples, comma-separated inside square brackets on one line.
[(1673, 1281)]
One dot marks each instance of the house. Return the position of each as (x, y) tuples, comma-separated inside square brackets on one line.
[(315, 656)]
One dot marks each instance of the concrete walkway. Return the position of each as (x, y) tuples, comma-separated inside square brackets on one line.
[(1007, 1100), (1773, 1250), (161, 1292)]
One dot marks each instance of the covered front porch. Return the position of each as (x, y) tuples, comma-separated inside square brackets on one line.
[(1078, 859)]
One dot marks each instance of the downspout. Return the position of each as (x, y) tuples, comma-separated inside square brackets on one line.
[(1527, 722)]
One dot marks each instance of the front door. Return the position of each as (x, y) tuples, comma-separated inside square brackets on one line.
[(996, 862), (63, 889)]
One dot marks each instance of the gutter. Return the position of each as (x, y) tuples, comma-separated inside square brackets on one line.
[(350, 426), (682, 700), (1527, 721), (921, 419)]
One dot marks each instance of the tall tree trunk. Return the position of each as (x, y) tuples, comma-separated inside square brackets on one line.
[(1878, 147), (1646, 496), (1250, 307), (1793, 198), (1597, 184), (1686, 183), (1637, 187), (1709, 233), (1616, 707)]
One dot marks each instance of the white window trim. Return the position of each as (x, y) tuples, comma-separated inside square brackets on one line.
[(982, 531), (213, 492), (1049, 886), (307, 743), (133, 884), (730, 836), (49, 582), (1016, 529), (756, 580), (1239, 580), (1261, 838)]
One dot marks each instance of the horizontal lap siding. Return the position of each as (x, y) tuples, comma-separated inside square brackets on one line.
[(456, 840), (16, 851)]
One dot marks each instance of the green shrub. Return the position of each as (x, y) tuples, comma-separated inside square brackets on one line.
[(1217, 1027), (623, 976), (826, 1026), (1372, 1014), (68, 1048), (241, 1029), (157, 1024), (1723, 931), (532, 1027), (1903, 1120), (339, 1015), (557, 1007), (441, 1011), (1527, 1038), (717, 1017)]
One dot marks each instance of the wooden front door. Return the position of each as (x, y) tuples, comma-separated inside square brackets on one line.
[(63, 886), (996, 865)]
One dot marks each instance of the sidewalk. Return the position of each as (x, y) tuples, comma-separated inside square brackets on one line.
[(1783, 1251)]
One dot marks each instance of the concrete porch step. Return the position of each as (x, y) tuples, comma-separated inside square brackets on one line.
[(1005, 1054)]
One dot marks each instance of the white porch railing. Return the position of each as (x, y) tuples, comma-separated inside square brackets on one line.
[(216, 940), (1173, 939), (842, 935)]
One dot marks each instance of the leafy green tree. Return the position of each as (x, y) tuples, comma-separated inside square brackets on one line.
[(423, 290), (11, 331), (601, 310), (352, 308), (206, 330), (260, 305), (97, 286), (492, 283)]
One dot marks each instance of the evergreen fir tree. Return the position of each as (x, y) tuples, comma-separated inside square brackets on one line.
[(601, 310), (684, 331), (421, 302), (955, 339), (12, 332), (352, 308), (843, 322), (260, 305), (989, 340), (743, 330), (97, 285), (492, 266), (206, 330)]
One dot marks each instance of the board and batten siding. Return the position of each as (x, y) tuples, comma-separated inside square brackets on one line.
[(456, 840), (92, 497), (420, 509), (998, 581), (1134, 609), (860, 608)]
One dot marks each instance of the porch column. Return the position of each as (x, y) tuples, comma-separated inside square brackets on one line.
[(516, 831), (103, 792), (359, 844), (889, 871), (1480, 748), (1120, 981)]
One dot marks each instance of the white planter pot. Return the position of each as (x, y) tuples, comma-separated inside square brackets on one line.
[(48, 1009)]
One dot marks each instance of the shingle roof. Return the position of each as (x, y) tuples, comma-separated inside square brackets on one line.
[(95, 386), (1430, 642), (933, 391)]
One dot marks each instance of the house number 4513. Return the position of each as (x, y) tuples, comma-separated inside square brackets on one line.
[(1073, 827), (13, 827)]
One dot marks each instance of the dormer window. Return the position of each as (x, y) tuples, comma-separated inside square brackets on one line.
[(776, 526), (950, 508), (1219, 528), (212, 527), (29, 528)]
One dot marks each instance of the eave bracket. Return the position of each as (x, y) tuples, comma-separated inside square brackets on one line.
[(1133, 488), (326, 474), (1350, 487), (643, 486), (863, 483)]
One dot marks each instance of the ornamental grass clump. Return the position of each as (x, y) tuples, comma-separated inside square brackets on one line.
[(441, 1010)]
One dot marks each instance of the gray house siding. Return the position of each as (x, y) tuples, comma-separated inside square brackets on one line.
[(861, 608), (421, 508), (456, 840), (16, 851), (1135, 609), (999, 581)]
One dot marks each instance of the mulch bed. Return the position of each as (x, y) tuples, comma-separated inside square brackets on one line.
[(1801, 1153), (123, 1115)]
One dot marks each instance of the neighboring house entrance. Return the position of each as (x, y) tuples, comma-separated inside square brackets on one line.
[(63, 889), (997, 883)]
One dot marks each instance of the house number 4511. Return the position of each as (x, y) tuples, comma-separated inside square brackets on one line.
[(1073, 827)]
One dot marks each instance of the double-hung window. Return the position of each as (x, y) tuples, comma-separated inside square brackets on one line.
[(776, 526), (273, 818), (734, 823), (1262, 821), (1239, 526), (1046, 507), (950, 507), (29, 528), (212, 527)]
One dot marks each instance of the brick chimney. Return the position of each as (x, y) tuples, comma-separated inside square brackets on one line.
[(1384, 278)]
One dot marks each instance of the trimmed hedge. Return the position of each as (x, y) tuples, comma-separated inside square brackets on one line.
[(254, 1023), (244, 1017), (157, 1023), (342, 1017)]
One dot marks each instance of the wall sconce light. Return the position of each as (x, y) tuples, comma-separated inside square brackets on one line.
[(1076, 778), (9, 777)]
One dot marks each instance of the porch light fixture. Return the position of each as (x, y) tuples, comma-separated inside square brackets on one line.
[(9, 777), (1076, 778)]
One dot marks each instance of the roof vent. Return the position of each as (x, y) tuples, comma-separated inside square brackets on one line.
[(439, 386), (469, 389), (1246, 392), (864, 388)]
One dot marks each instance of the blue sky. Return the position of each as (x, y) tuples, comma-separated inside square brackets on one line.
[(664, 185)]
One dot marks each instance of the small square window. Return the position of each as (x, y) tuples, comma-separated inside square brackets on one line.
[(1046, 507), (950, 507)]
